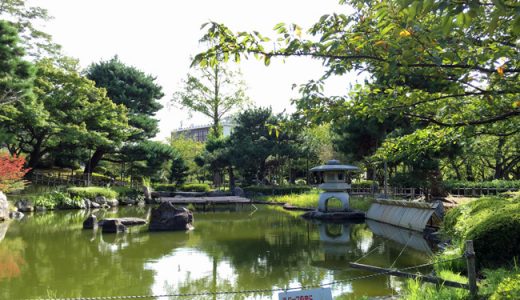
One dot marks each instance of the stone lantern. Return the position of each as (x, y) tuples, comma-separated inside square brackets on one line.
[(334, 183)]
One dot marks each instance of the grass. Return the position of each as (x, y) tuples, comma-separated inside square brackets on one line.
[(310, 200), (92, 192)]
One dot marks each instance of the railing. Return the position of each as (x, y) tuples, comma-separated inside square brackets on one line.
[(418, 192), (56, 179), (391, 191)]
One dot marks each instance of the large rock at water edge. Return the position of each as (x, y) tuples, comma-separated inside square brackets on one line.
[(24, 206), (100, 200), (113, 226), (90, 222), (167, 217), (4, 207), (112, 202), (128, 221)]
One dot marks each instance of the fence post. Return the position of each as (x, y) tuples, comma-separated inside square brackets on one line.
[(472, 274)]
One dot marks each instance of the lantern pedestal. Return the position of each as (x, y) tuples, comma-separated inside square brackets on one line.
[(326, 196)]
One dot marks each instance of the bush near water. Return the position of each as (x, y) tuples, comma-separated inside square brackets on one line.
[(493, 223), (188, 187)]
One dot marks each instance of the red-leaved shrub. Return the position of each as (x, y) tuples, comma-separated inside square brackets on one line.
[(11, 172)]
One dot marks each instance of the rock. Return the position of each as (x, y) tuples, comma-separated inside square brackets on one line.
[(167, 217), (105, 206), (90, 222), (4, 207), (24, 206), (100, 200), (239, 192), (94, 205), (147, 193), (16, 215), (3, 230), (127, 201), (112, 202), (129, 221), (40, 208), (113, 226), (87, 203), (70, 205)]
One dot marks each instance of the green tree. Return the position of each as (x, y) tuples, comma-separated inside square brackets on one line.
[(212, 91), (67, 109), (134, 89), (179, 170), (150, 159), (16, 75), (189, 149), (441, 64), (35, 42), (259, 135)]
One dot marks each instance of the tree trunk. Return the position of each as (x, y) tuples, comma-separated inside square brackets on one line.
[(499, 159), (469, 171), (94, 161), (231, 178), (436, 187), (35, 155), (455, 167)]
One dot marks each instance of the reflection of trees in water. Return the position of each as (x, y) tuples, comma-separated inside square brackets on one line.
[(11, 258), (266, 250), (75, 264)]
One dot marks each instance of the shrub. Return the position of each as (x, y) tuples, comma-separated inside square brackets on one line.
[(493, 223), (44, 201), (364, 184), (11, 172), (187, 187), (165, 187), (450, 184), (123, 191), (194, 187), (92, 192), (497, 236), (58, 200), (277, 190)]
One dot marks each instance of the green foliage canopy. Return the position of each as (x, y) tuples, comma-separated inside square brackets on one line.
[(15, 74)]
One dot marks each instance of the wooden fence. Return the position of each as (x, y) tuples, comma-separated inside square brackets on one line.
[(418, 192), (56, 179)]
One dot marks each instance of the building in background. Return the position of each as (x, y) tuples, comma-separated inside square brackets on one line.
[(200, 133)]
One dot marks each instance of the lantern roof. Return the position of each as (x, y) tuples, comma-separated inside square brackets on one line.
[(334, 165)]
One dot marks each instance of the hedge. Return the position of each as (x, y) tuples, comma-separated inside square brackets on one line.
[(188, 187), (364, 184), (493, 223), (277, 190), (92, 192), (451, 184)]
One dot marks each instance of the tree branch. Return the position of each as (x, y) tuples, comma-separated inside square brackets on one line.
[(501, 117)]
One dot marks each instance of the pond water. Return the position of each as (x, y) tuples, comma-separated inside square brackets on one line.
[(48, 255)]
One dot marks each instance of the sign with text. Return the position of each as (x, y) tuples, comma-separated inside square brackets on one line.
[(314, 294)]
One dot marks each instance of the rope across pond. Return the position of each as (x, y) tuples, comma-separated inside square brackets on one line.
[(180, 295)]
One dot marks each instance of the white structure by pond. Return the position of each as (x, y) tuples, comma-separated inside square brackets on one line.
[(334, 183)]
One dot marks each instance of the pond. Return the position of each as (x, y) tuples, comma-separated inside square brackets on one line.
[(48, 255)]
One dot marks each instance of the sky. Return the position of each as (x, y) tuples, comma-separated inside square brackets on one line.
[(159, 37)]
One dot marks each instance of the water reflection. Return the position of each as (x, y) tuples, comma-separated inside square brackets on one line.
[(410, 238), (228, 251)]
